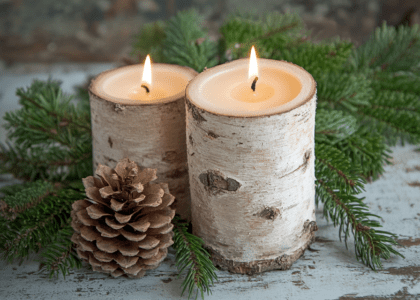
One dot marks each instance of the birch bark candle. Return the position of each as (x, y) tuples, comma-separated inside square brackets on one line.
[(250, 142), (140, 114)]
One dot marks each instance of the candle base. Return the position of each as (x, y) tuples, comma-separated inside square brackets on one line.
[(282, 262)]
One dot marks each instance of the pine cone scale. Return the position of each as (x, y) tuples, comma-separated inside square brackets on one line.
[(161, 230), (116, 205), (104, 257), (114, 225), (148, 243), (157, 259), (94, 194), (84, 218), (131, 236), (141, 225), (107, 231), (80, 205), (96, 211), (146, 254), (86, 245)]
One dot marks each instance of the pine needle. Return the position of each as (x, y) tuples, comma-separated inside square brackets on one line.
[(194, 259)]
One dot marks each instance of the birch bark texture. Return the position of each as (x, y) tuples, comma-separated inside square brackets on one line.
[(252, 183), (152, 135)]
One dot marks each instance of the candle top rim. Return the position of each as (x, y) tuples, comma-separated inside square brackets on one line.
[(306, 94), (95, 84)]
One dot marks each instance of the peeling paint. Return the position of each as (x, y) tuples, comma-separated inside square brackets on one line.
[(409, 242)]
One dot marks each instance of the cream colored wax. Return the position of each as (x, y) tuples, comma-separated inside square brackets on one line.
[(123, 85), (226, 89)]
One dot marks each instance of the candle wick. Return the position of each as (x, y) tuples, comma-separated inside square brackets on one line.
[(254, 83), (146, 88)]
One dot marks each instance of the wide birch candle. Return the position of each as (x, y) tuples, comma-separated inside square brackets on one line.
[(250, 141), (140, 114)]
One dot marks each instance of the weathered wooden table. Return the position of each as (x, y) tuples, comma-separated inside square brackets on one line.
[(329, 272)]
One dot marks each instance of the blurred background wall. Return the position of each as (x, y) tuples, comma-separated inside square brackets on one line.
[(51, 31)]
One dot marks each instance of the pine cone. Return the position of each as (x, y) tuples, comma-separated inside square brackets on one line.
[(125, 226)]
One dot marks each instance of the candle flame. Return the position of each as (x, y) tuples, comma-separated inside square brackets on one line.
[(147, 72), (253, 67)]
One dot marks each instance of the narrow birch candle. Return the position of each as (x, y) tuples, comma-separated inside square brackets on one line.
[(138, 112), (250, 141)]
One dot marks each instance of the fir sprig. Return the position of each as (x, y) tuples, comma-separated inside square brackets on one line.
[(186, 44), (394, 114), (338, 184), (37, 225), (389, 49), (51, 135), (367, 150), (149, 41), (270, 34), (20, 201), (191, 256), (333, 126), (60, 256)]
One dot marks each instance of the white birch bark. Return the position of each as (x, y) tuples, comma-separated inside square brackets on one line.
[(153, 135), (252, 185)]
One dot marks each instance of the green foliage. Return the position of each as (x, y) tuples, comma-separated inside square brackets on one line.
[(318, 59), (367, 150), (60, 256), (149, 41), (396, 115), (51, 136), (10, 190), (42, 212), (191, 256), (185, 42), (333, 126), (22, 200), (343, 91), (389, 49), (338, 183), (270, 34)]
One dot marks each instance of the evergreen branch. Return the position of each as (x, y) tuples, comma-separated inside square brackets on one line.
[(53, 163), (37, 226), (275, 31), (43, 133), (333, 126), (351, 213), (60, 255), (191, 254), (149, 41), (343, 91), (64, 121), (389, 49), (367, 150), (393, 114), (393, 124), (337, 184), (333, 164), (21, 201), (10, 190), (406, 82), (269, 33), (317, 59), (185, 43)]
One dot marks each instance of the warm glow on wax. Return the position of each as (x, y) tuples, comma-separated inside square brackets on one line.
[(253, 67), (147, 72)]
